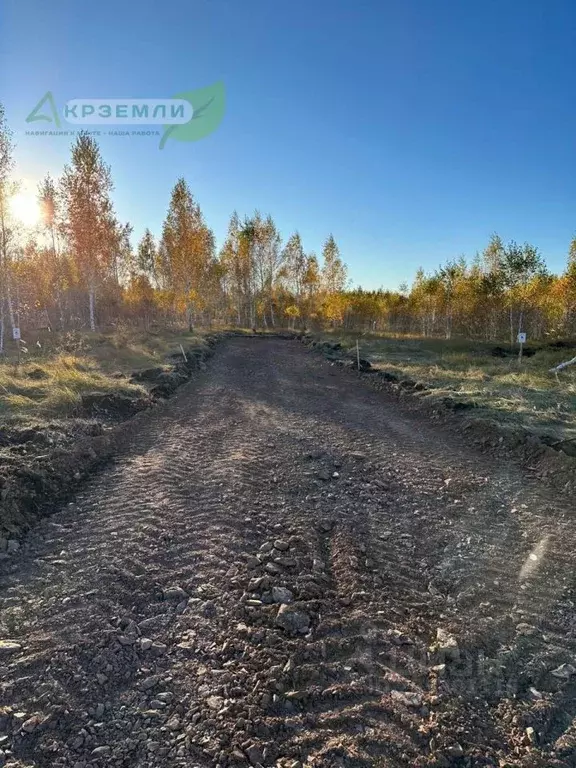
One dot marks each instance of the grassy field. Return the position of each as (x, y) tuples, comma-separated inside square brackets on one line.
[(525, 394), (58, 368)]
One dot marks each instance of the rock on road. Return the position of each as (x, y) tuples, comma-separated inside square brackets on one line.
[(282, 568)]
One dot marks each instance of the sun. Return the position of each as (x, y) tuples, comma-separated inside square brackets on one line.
[(25, 208)]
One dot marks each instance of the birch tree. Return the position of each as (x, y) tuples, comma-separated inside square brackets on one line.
[(333, 279), (334, 271), (49, 205), (294, 268), (521, 264), (147, 256), (310, 287), (188, 247), (233, 269), (246, 241), (267, 261), (6, 227), (88, 220)]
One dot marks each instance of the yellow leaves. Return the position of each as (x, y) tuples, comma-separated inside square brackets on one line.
[(333, 307), (187, 249), (165, 299), (139, 294), (180, 303)]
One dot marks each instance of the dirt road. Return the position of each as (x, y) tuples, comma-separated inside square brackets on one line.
[(426, 590)]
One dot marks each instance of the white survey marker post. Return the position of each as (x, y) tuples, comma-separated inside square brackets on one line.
[(16, 334), (521, 341)]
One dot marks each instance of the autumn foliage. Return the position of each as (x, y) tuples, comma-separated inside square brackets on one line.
[(81, 269)]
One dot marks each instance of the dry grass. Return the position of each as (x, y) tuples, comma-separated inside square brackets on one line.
[(466, 370), (64, 379), (55, 372)]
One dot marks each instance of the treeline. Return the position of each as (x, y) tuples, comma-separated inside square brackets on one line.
[(504, 290), (80, 269)]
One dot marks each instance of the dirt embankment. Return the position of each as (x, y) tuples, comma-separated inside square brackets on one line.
[(286, 569), (41, 465), (551, 460)]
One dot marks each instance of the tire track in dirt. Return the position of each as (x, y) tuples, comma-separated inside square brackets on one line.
[(389, 530)]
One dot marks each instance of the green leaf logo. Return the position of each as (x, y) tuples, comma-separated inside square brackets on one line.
[(208, 105), (34, 116)]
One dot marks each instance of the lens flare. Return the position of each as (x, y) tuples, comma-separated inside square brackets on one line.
[(25, 208)]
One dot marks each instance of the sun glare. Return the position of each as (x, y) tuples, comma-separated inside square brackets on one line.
[(25, 208)]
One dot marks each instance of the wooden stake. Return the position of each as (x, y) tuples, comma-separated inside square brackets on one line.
[(358, 354)]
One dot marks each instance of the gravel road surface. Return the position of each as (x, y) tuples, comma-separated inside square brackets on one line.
[(282, 568)]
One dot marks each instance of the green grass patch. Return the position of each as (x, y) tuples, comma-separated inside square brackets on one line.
[(526, 393)]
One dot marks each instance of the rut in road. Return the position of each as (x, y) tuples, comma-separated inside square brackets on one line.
[(148, 624)]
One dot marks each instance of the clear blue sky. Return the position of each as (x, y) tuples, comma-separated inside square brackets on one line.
[(411, 129)]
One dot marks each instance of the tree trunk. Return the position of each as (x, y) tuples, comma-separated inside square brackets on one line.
[(10, 306), (60, 309), (92, 308), (1, 325), (3, 271), (58, 291), (272, 315), (511, 327), (563, 365)]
